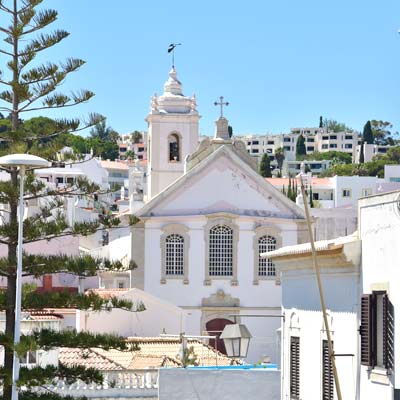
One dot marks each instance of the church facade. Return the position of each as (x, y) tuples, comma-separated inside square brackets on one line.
[(208, 218)]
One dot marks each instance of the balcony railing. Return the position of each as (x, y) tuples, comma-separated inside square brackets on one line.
[(136, 383)]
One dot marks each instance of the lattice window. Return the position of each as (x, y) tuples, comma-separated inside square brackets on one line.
[(265, 266), (221, 251), (174, 262)]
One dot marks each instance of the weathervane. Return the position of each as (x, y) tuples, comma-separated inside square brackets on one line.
[(171, 49), (221, 103)]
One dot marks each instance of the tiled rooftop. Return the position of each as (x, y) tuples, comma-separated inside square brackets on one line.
[(155, 352)]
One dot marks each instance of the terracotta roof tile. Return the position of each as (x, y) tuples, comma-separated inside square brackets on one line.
[(88, 358), (114, 165), (154, 352)]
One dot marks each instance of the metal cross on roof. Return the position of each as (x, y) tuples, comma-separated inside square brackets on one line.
[(221, 103)]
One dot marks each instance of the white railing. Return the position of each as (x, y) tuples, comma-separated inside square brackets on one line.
[(138, 383)]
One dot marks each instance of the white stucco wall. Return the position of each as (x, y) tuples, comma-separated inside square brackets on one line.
[(159, 317), (303, 318), (194, 384), (379, 225), (264, 298)]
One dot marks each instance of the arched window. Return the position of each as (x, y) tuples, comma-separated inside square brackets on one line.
[(174, 147), (174, 262), (220, 251), (265, 266)]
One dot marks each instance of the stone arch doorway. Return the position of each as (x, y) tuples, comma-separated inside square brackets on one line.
[(215, 327)]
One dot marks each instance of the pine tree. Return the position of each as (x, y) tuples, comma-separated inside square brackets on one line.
[(265, 166), (361, 160), (301, 148), (368, 135), (33, 87)]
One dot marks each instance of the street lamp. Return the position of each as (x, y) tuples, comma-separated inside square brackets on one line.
[(236, 338), (21, 161)]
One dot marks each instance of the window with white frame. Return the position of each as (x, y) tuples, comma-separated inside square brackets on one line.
[(30, 357), (265, 266), (220, 251), (174, 255), (346, 193)]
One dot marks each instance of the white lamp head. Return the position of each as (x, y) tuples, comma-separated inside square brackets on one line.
[(23, 160)]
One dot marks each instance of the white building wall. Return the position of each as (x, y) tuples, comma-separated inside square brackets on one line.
[(303, 318), (264, 298), (379, 226)]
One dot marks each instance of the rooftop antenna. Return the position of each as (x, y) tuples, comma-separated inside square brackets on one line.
[(171, 49)]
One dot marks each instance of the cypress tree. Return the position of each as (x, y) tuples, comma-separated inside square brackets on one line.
[(321, 122), (33, 87), (265, 166), (311, 198), (300, 148), (289, 191), (361, 160), (368, 136)]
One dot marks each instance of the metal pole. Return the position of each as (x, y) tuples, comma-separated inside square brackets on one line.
[(18, 293), (321, 294)]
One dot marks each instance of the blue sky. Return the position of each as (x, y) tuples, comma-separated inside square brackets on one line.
[(280, 64)]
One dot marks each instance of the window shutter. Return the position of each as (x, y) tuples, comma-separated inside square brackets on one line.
[(367, 331), (294, 367), (388, 332), (327, 372)]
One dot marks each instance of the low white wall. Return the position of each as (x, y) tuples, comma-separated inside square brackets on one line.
[(194, 384)]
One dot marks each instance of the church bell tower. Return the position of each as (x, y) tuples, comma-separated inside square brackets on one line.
[(173, 134)]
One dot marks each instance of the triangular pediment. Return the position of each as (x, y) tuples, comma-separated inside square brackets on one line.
[(222, 183)]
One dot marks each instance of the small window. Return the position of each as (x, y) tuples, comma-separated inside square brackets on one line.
[(348, 145), (174, 147), (286, 148), (310, 139), (271, 142), (294, 367), (346, 193), (174, 262), (333, 137), (70, 180), (255, 151), (333, 146), (265, 266), (121, 285), (324, 146), (366, 192), (310, 148), (325, 137), (348, 137), (256, 142), (286, 139), (29, 358)]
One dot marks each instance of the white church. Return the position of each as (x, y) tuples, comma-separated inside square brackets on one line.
[(207, 217)]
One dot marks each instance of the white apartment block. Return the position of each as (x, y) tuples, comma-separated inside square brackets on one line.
[(316, 139)]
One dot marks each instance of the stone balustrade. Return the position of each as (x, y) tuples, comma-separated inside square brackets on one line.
[(138, 383)]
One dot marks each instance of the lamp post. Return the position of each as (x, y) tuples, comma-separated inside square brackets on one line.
[(21, 161), (236, 338)]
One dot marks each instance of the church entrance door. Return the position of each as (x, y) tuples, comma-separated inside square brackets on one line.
[(215, 328)]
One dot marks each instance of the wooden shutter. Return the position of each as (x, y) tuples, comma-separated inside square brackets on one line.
[(327, 373), (368, 330), (388, 332), (294, 367)]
